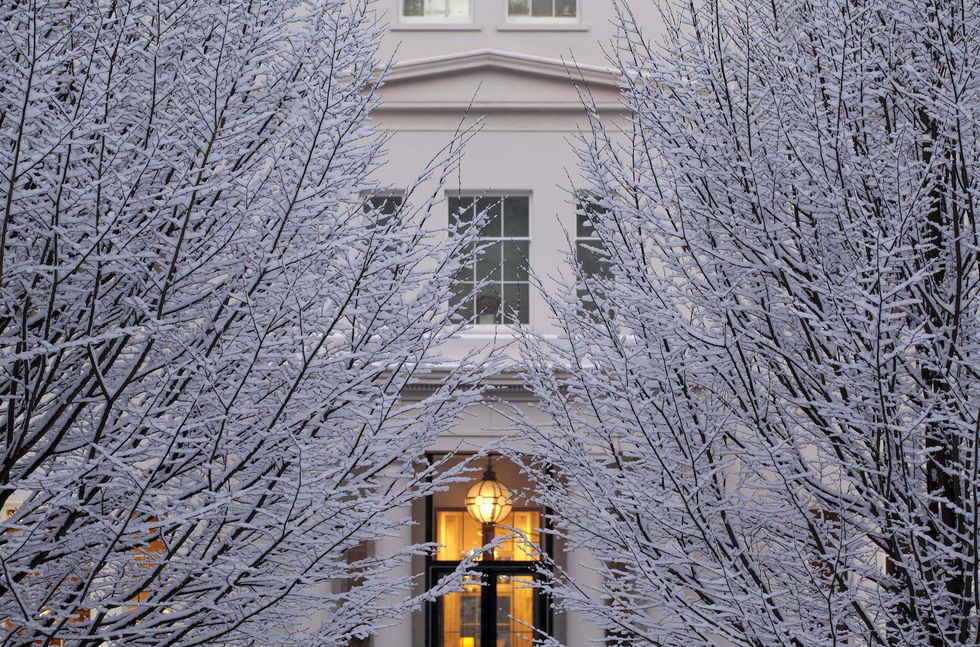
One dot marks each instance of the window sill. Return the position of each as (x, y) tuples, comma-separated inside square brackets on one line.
[(492, 331), (543, 26), (434, 26)]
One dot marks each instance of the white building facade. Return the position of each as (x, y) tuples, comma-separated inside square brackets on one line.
[(522, 67)]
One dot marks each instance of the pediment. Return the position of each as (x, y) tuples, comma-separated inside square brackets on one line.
[(490, 80)]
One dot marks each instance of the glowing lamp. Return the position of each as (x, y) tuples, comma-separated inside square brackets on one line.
[(489, 502), (467, 642)]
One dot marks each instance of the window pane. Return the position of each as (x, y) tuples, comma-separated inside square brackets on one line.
[(412, 7), (542, 8), (516, 300), (385, 206), (593, 263), (456, 533), (587, 212), (587, 301), (516, 217), (488, 265), (462, 301), (519, 7), (460, 211), (450, 533), (515, 260), (565, 8), (435, 8), (518, 549), (467, 262), (459, 8), (490, 207), (488, 305)]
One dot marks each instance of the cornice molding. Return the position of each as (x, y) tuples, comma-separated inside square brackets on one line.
[(482, 107), (496, 392), (492, 59)]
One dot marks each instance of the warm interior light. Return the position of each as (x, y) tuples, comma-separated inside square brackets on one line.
[(467, 642)]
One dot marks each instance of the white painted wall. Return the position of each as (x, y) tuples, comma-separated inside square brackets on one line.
[(490, 29), (512, 77)]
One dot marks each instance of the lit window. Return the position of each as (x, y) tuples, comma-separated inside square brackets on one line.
[(562, 10), (458, 533), (501, 269), (588, 248), (436, 10)]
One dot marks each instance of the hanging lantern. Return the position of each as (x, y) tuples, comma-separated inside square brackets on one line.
[(488, 501)]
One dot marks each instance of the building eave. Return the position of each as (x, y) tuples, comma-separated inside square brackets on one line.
[(487, 107), (492, 59)]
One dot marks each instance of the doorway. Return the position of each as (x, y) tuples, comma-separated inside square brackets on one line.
[(499, 605)]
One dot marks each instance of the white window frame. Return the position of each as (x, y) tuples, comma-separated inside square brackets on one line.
[(434, 20), (502, 194), (548, 20)]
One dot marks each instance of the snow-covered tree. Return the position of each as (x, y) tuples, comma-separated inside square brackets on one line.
[(205, 331), (763, 419)]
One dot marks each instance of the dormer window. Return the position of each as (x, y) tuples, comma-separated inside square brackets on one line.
[(542, 10), (452, 11)]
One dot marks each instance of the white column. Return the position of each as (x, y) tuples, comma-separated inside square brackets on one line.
[(400, 633), (580, 565)]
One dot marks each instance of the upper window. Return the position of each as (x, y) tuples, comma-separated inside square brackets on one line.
[(500, 265), (386, 206), (554, 10), (436, 10), (381, 209)]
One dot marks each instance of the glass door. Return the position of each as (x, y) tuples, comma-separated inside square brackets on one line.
[(459, 616), (498, 605), (492, 610), (516, 610)]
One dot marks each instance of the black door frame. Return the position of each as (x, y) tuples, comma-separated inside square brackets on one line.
[(436, 570), (488, 601)]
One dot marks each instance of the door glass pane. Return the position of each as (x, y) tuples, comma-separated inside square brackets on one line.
[(459, 616), (515, 611)]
